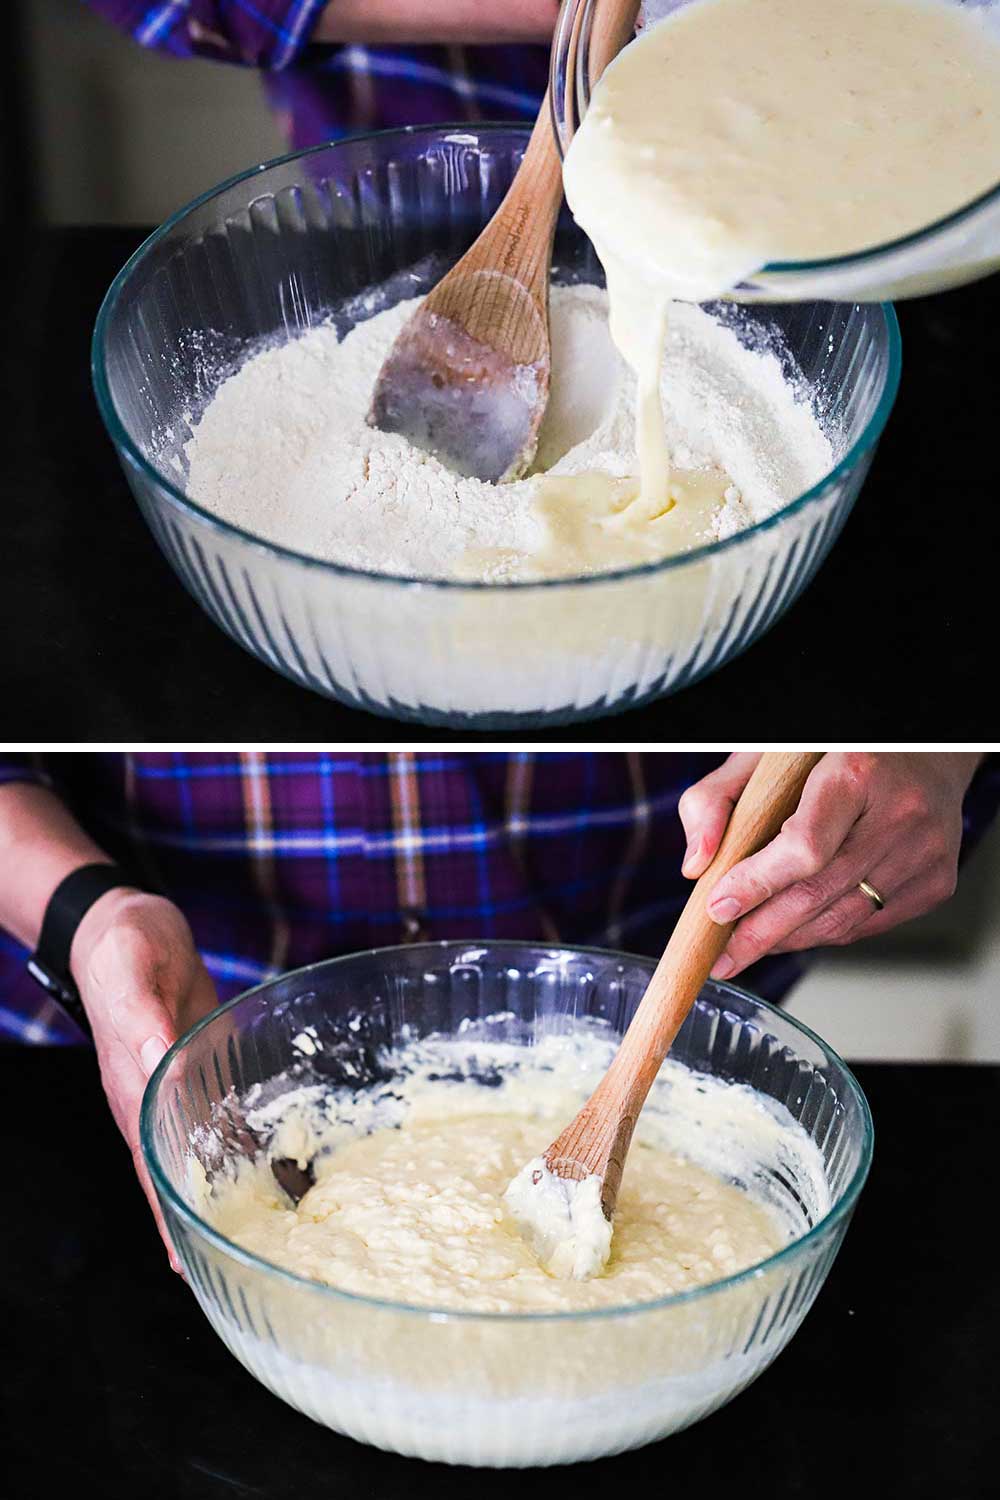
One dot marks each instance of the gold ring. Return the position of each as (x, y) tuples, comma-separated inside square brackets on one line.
[(869, 890)]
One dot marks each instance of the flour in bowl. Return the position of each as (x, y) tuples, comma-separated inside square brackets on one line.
[(284, 450)]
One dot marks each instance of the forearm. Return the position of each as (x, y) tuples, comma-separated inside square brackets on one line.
[(40, 844), (419, 22), (133, 957)]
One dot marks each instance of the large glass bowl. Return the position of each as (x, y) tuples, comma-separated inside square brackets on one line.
[(281, 248), (961, 247), (500, 1389)]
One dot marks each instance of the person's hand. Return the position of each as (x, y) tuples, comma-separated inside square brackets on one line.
[(894, 820), (142, 984)]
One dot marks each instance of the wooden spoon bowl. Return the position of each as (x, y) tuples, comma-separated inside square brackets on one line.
[(468, 378)]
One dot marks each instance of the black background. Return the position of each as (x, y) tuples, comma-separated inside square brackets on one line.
[(894, 640), (114, 1384)]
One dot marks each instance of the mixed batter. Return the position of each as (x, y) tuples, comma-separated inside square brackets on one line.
[(414, 1210)]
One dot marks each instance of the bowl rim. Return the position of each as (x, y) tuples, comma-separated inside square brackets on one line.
[(171, 1198), (887, 247), (129, 451)]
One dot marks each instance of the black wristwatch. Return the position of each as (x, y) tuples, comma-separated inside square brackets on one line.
[(68, 905)]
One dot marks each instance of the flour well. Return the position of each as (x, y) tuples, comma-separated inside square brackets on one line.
[(283, 449)]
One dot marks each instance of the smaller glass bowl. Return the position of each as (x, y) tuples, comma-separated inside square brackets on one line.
[(962, 247), (504, 1390)]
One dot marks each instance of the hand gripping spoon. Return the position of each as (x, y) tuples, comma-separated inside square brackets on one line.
[(564, 1201), (467, 379)]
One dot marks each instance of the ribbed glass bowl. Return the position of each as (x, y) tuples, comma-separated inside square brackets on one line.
[(278, 250), (491, 1389)]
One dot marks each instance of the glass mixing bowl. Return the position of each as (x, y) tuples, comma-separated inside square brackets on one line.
[(960, 248), (472, 1388), (281, 248)]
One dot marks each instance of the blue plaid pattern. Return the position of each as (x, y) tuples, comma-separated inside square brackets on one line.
[(320, 93), (265, 33), (278, 860)]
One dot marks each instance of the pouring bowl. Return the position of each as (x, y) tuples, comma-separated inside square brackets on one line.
[(959, 248)]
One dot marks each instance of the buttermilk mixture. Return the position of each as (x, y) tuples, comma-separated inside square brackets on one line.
[(410, 1197), (743, 133)]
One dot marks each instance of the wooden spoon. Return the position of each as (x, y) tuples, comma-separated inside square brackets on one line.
[(596, 1142), (467, 379)]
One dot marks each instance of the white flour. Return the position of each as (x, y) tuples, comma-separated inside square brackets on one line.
[(284, 450)]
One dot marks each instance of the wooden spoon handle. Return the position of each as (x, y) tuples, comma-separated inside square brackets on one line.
[(613, 26), (770, 796), (527, 215), (598, 1139), (540, 172), (518, 239), (515, 247)]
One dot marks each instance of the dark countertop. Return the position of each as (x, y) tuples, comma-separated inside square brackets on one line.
[(114, 1383), (101, 642)]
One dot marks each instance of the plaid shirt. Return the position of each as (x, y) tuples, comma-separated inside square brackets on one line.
[(320, 93), (280, 860)]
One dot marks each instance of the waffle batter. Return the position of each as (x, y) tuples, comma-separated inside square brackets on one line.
[(414, 1211)]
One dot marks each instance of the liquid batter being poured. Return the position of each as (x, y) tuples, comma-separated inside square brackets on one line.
[(740, 133)]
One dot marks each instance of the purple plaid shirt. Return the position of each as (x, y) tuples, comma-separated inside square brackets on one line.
[(278, 860), (319, 93)]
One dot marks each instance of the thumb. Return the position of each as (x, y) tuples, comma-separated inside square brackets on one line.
[(151, 1050), (140, 1000), (146, 1029), (706, 807)]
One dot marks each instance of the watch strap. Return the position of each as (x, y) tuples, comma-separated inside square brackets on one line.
[(68, 905)]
